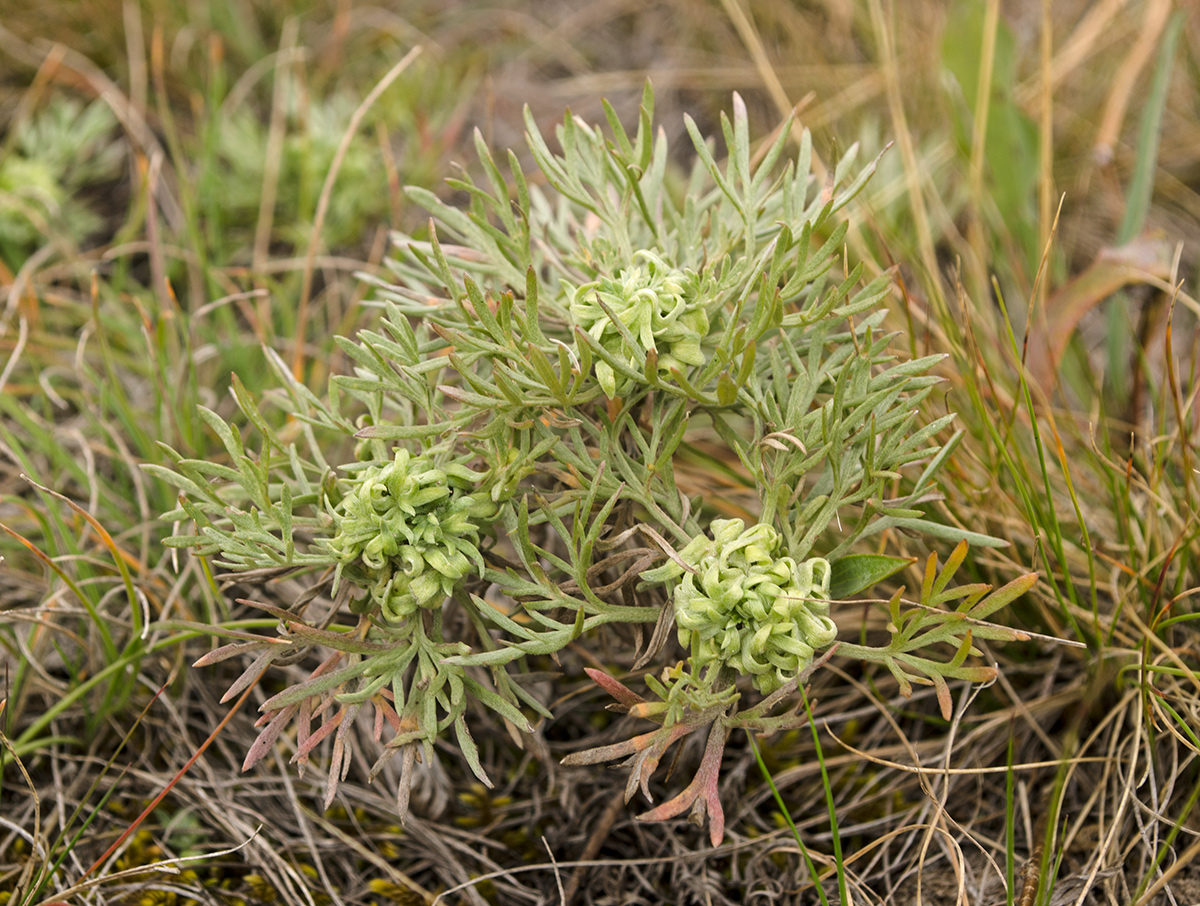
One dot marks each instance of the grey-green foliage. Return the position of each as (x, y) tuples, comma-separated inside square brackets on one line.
[(557, 348), (731, 317)]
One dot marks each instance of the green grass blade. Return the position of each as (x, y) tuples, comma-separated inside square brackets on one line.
[(787, 816)]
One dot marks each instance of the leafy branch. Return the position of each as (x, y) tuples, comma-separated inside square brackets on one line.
[(925, 624)]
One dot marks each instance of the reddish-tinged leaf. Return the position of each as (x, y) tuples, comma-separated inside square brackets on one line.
[(384, 707), (648, 710), (701, 795), (266, 739), (675, 807), (615, 688), (943, 696), (314, 740), (251, 674), (343, 734), (716, 816), (233, 649), (1003, 595), (608, 753), (977, 674), (647, 762), (303, 731), (953, 562)]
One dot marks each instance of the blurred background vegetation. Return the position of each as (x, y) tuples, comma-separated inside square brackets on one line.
[(183, 182)]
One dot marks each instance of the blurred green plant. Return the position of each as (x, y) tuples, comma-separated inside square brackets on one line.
[(307, 149), (1011, 138), (542, 361), (50, 158)]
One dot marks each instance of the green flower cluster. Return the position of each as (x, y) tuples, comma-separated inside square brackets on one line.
[(408, 532), (745, 607), (654, 304)]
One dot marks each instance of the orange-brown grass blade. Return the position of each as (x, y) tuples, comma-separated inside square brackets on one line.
[(174, 780)]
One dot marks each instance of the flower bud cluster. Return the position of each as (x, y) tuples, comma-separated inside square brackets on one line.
[(653, 303), (408, 532), (745, 607)]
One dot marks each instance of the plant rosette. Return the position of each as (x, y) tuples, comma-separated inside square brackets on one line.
[(658, 308), (741, 605), (726, 313), (408, 532)]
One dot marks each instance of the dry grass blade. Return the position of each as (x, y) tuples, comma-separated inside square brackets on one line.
[(274, 149), (35, 838), (1125, 80), (167, 789), (323, 205), (912, 171), (167, 866)]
